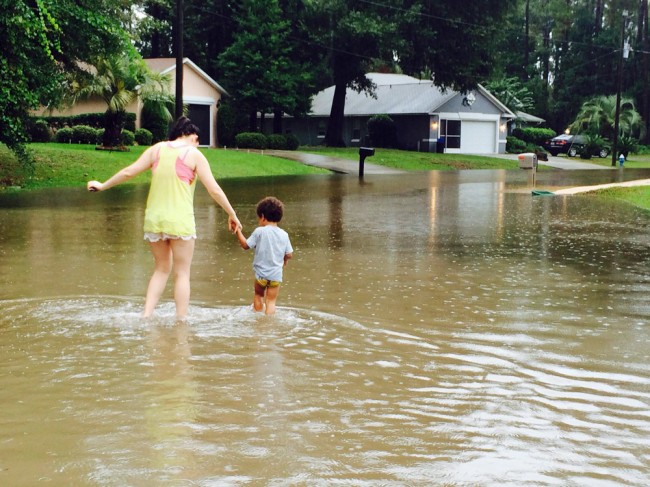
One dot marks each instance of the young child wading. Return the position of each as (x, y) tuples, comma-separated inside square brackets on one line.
[(272, 251)]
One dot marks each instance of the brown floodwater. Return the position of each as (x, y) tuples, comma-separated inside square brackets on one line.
[(443, 329)]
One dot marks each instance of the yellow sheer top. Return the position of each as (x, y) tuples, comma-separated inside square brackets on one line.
[(170, 205)]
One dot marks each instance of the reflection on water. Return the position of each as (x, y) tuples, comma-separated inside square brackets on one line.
[(433, 329)]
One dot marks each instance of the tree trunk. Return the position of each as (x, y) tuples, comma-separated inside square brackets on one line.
[(645, 45), (277, 121), (252, 121), (334, 135), (527, 40), (598, 17), (113, 125)]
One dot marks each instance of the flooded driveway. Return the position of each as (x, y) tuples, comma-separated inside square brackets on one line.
[(434, 329)]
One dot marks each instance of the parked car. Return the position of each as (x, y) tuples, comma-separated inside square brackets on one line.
[(571, 145)]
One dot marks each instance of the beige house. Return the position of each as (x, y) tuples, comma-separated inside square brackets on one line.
[(201, 94)]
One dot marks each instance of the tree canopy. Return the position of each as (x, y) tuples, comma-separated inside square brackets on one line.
[(118, 80), (41, 41), (274, 54)]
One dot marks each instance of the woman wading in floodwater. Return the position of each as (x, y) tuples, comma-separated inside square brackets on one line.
[(169, 224)]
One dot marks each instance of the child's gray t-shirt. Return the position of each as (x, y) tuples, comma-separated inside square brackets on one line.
[(271, 244)]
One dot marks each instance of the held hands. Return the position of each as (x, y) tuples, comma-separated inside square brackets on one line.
[(234, 224)]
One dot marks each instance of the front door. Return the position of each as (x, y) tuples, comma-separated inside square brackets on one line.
[(200, 116)]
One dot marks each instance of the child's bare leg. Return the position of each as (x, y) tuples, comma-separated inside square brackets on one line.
[(258, 297), (162, 255), (271, 296), (182, 251)]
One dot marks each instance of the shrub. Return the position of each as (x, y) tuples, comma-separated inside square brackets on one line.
[(276, 141), (64, 135), (100, 136), (83, 134), (593, 143), (230, 122), (292, 142), (626, 144), (515, 145), (382, 131), (155, 122), (143, 137), (251, 140), (127, 137), (40, 131), (534, 135)]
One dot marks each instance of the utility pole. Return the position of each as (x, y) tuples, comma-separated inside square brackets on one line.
[(619, 89), (179, 58)]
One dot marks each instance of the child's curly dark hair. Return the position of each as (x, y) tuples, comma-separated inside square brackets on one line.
[(270, 208)]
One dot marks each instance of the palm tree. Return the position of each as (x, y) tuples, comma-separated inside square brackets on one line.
[(597, 116), (119, 80)]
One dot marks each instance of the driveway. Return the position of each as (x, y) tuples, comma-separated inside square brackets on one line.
[(560, 162)]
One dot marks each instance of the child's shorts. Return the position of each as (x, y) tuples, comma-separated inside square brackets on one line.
[(266, 283)]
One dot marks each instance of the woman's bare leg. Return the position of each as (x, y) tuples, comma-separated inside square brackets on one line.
[(162, 267), (182, 252)]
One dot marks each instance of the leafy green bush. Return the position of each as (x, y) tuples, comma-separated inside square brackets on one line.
[(64, 135), (127, 137), (276, 141), (40, 131), (627, 144), (143, 137), (642, 149), (155, 122), (251, 140), (593, 143), (83, 134), (534, 135), (515, 145), (292, 142), (382, 131)]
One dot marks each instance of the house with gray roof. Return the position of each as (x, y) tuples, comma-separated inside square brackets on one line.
[(427, 118)]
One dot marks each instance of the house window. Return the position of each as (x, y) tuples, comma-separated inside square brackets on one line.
[(321, 129), (356, 130), (450, 130)]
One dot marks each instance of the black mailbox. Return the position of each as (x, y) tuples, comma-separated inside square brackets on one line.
[(363, 153)]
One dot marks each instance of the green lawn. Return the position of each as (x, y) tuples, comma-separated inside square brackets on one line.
[(635, 195), (65, 165), (418, 161)]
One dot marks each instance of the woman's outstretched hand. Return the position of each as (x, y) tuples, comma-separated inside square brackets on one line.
[(94, 186)]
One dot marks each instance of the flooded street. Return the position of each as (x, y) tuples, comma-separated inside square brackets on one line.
[(434, 329)]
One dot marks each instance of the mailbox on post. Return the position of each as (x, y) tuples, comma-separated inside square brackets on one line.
[(527, 160), (363, 153)]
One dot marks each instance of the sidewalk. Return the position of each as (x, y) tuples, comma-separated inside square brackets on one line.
[(343, 166)]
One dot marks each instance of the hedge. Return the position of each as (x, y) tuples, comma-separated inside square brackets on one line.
[(143, 137), (40, 131), (534, 135), (95, 120), (257, 140), (83, 134)]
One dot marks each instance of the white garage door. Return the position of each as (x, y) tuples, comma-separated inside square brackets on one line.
[(478, 137)]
